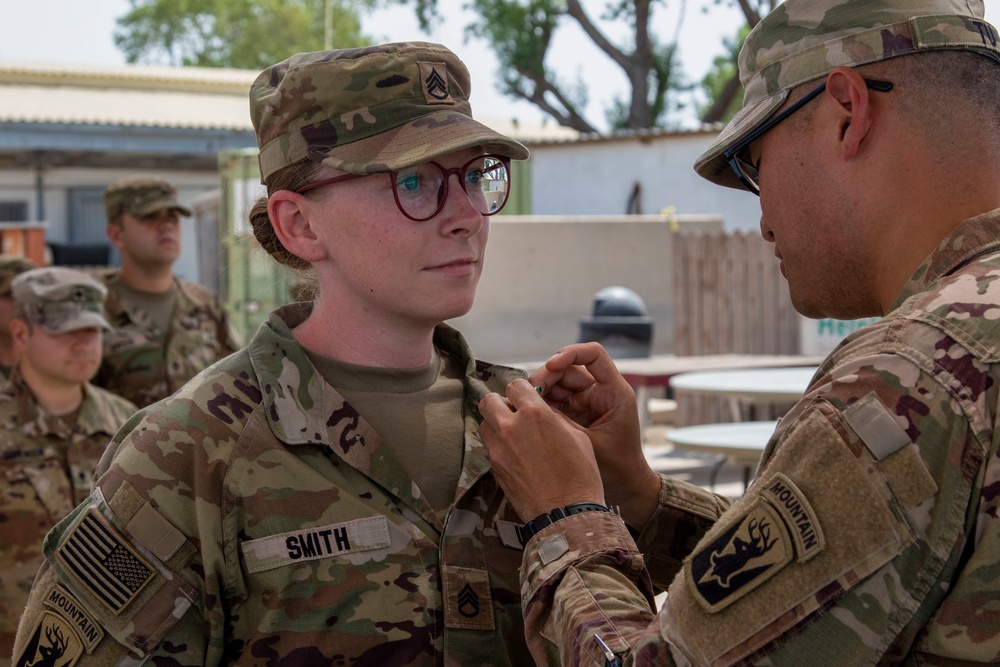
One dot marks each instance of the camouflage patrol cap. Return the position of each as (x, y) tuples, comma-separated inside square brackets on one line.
[(141, 195), (11, 266), (803, 40), (368, 110), (59, 300)]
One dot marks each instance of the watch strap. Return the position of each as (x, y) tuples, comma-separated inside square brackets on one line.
[(544, 520)]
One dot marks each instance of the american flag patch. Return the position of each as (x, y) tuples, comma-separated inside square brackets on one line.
[(101, 561)]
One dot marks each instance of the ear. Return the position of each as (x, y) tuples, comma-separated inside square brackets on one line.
[(293, 217), (854, 111), (115, 234), (19, 335)]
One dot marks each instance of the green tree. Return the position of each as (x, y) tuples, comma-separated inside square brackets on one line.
[(250, 34), (521, 33), (725, 90), (723, 75)]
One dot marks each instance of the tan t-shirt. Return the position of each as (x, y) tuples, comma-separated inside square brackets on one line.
[(159, 306), (418, 413)]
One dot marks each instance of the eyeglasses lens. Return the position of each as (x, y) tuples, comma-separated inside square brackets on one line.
[(747, 171), (421, 190)]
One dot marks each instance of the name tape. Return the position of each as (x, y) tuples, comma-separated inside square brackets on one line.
[(298, 546)]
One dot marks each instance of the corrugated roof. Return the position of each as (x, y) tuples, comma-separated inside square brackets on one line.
[(169, 97), (632, 135)]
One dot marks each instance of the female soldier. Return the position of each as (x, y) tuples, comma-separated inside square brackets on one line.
[(321, 497)]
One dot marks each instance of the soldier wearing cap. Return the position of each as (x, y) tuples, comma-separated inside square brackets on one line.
[(55, 425), (10, 266), (323, 497), (871, 132), (166, 329)]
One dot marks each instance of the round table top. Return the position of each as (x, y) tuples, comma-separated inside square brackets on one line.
[(750, 384), (742, 441)]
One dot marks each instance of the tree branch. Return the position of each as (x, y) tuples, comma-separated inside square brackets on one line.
[(718, 109), (575, 9), (567, 116)]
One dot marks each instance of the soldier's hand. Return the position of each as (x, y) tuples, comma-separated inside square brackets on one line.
[(541, 459), (581, 382)]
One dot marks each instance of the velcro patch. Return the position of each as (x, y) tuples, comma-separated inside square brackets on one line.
[(510, 534), (53, 642), (102, 562), (89, 630), (750, 550), (298, 546), (468, 603), (876, 426), (793, 506), (155, 533)]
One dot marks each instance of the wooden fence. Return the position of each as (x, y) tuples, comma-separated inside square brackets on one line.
[(729, 298)]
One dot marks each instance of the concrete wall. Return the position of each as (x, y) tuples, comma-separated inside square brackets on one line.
[(20, 185), (541, 275), (597, 177)]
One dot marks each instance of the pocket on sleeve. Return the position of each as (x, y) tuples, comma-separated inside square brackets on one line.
[(132, 587), (818, 520)]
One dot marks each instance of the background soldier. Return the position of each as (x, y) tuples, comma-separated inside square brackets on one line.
[(166, 329), (54, 425), (10, 266)]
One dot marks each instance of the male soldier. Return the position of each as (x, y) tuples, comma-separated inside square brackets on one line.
[(10, 266), (871, 132), (166, 329), (54, 423)]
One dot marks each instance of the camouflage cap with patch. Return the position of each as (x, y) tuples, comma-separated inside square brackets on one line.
[(11, 266), (141, 195), (60, 300), (368, 110), (803, 40)]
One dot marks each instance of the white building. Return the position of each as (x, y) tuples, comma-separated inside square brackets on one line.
[(634, 172)]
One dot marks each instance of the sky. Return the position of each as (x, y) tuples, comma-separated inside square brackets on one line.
[(80, 31)]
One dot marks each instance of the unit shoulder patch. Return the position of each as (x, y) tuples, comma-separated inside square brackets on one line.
[(798, 514), (749, 550), (53, 642), (90, 631)]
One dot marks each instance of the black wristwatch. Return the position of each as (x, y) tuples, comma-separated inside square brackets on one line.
[(542, 520)]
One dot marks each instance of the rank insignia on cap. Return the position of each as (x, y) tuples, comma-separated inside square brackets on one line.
[(434, 79), (53, 642), (103, 563), (749, 551)]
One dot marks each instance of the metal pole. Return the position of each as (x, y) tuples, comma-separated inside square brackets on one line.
[(40, 189)]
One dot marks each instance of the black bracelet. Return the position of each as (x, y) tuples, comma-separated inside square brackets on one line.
[(542, 520)]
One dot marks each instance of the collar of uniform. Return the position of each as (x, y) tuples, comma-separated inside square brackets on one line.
[(120, 312), (36, 422), (481, 378), (92, 419), (301, 408), (969, 240)]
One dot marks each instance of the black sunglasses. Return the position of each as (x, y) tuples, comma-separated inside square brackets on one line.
[(740, 163)]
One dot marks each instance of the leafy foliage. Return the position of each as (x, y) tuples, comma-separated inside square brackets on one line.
[(251, 34), (521, 32), (723, 70)]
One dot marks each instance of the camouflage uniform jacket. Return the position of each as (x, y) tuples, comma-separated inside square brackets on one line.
[(45, 470), (257, 521), (143, 363), (870, 535)]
